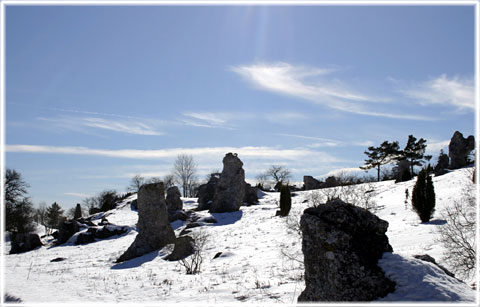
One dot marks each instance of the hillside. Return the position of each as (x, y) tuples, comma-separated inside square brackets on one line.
[(258, 261)]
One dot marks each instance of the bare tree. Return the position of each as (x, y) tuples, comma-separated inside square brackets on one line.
[(41, 216), (135, 183), (458, 235), (184, 170), (168, 181), (193, 263), (277, 173)]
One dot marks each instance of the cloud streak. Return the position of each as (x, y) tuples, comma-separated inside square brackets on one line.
[(268, 153), (79, 124), (286, 79)]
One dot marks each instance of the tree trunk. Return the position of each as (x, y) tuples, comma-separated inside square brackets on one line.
[(378, 173)]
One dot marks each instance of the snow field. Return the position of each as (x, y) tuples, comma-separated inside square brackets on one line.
[(260, 261)]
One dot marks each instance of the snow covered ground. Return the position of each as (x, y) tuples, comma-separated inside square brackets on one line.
[(259, 260)]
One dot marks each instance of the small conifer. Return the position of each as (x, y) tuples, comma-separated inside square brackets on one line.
[(423, 196), (285, 200)]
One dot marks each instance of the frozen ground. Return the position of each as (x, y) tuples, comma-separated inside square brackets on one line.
[(259, 260)]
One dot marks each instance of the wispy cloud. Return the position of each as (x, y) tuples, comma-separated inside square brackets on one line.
[(326, 142), (296, 81), (80, 124), (454, 91), (246, 152)]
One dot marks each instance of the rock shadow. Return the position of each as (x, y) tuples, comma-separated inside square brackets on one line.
[(436, 222), (136, 262), (226, 218)]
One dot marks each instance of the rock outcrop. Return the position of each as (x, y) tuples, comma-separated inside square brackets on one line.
[(459, 148), (173, 200), (24, 242), (342, 244), (251, 195), (310, 183), (230, 189), (154, 230)]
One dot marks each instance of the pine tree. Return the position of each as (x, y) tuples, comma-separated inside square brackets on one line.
[(285, 200), (423, 196), (414, 152), (378, 156), (19, 211), (78, 212), (54, 215)]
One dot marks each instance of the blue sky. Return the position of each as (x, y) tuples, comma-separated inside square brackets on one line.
[(95, 95)]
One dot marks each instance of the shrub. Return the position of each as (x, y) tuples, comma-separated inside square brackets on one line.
[(285, 200), (423, 196), (193, 263)]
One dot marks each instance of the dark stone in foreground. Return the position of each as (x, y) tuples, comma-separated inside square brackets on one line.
[(154, 230), (342, 244), (24, 242), (184, 247)]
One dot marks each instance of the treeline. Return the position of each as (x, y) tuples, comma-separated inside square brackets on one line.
[(413, 154)]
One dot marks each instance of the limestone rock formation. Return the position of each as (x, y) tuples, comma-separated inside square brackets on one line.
[(310, 183), (24, 242), (342, 244), (173, 200), (459, 148), (154, 230), (230, 189)]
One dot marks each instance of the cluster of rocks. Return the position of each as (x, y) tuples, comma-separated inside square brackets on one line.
[(227, 191), (458, 150), (103, 230), (342, 244), (310, 183)]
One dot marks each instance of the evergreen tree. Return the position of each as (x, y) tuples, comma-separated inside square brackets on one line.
[(54, 215), (423, 196), (378, 156), (285, 200), (19, 211), (78, 212), (414, 152)]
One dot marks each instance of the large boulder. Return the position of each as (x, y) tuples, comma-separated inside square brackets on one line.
[(24, 242), (251, 195), (173, 200), (310, 183), (341, 245), (230, 189), (206, 192), (154, 230), (459, 148)]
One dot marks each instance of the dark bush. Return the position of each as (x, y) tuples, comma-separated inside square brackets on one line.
[(423, 196), (285, 200)]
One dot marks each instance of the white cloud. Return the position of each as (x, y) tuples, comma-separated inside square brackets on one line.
[(457, 92), (286, 79)]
